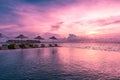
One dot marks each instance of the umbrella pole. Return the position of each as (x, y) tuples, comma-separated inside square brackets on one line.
[(53, 43), (39, 43), (21, 40), (1, 44)]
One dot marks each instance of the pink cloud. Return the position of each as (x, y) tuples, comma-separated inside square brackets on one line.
[(78, 18), (56, 26), (104, 22)]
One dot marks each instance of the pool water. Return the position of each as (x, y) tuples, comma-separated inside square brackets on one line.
[(59, 63)]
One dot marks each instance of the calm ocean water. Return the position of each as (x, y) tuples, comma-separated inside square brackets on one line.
[(74, 61)]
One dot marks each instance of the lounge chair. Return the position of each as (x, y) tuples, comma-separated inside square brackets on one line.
[(42, 45), (56, 45), (50, 45)]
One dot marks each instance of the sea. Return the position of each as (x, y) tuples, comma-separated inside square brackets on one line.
[(70, 61)]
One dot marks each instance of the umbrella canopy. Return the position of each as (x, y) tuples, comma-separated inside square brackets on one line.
[(21, 36), (2, 36), (53, 38), (39, 37)]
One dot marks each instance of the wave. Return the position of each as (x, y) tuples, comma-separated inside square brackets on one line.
[(95, 46)]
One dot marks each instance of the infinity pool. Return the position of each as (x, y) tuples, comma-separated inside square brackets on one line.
[(60, 63)]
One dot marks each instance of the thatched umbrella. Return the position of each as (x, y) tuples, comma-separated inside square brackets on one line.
[(39, 38), (2, 36), (21, 36), (53, 38)]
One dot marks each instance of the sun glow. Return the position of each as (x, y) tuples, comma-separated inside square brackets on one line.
[(92, 33)]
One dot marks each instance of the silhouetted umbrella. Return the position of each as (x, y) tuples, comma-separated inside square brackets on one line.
[(2, 36), (21, 36), (39, 38), (53, 38)]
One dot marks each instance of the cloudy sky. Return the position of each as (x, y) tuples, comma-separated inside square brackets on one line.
[(92, 18)]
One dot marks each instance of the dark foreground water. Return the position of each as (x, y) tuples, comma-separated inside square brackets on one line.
[(62, 63)]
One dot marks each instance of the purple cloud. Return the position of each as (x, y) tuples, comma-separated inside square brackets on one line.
[(108, 21), (56, 26)]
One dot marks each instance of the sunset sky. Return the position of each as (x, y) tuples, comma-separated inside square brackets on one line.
[(92, 18)]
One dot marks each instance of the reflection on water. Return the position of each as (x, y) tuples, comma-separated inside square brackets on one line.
[(61, 63), (95, 46)]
